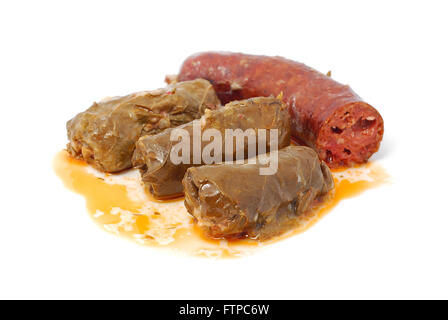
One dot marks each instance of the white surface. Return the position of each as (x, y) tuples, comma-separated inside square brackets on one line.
[(58, 57)]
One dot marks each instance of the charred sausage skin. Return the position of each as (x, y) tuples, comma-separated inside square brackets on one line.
[(325, 115)]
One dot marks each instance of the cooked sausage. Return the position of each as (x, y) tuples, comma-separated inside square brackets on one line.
[(325, 115)]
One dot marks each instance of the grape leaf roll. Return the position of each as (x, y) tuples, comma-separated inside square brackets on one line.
[(230, 200), (105, 134), (163, 177)]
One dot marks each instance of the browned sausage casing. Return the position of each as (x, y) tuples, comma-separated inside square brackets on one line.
[(325, 114)]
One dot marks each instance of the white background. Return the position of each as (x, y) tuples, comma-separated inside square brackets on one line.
[(57, 57)]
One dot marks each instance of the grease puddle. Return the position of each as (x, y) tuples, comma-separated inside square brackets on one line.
[(119, 204)]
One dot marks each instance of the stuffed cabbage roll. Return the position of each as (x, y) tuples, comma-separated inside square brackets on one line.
[(163, 178), (105, 134), (234, 201)]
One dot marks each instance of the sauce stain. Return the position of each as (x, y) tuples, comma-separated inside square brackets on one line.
[(120, 204)]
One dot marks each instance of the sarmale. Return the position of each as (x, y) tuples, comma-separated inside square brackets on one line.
[(234, 201), (163, 178), (105, 134)]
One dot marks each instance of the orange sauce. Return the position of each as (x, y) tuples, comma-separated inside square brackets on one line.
[(120, 205), (348, 183)]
